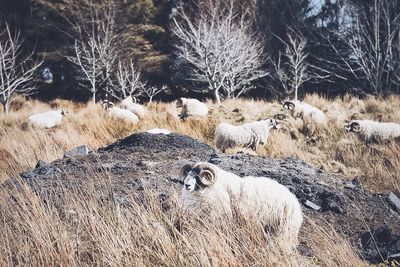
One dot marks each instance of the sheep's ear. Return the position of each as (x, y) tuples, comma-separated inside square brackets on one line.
[(207, 177), (186, 169)]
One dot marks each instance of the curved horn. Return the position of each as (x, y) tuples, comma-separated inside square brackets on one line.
[(207, 177), (355, 126), (186, 169), (289, 105), (134, 99)]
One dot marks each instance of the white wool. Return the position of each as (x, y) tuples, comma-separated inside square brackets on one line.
[(245, 135), (275, 206), (133, 107), (159, 131), (192, 107), (46, 119), (373, 129), (308, 112), (123, 114)]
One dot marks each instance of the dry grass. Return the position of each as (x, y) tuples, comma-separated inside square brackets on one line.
[(91, 231), (376, 164), (88, 231)]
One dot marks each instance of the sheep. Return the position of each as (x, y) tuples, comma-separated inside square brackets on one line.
[(368, 129), (159, 131), (305, 111), (47, 119), (130, 104), (119, 113), (245, 135), (208, 188), (191, 107)]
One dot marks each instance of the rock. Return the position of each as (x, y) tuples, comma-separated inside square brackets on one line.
[(349, 185), (312, 205), (82, 150), (147, 164), (395, 201), (40, 163)]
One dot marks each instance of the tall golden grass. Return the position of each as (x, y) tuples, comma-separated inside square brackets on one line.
[(377, 165), (87, 230)]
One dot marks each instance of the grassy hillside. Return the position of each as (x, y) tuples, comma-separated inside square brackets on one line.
[(377, 165), (92, 232)]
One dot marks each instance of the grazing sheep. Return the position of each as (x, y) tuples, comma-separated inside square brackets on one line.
[(305, 111), (368, 129), (159, 131), (119, 113), (245, 135), (47, 119), (130, 104), (191, 107), (209, 188)]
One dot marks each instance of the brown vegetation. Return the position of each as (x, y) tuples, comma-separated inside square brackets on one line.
[(376, 164), (93, 231)]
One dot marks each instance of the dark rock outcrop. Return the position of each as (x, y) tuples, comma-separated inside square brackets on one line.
[(146, 160)]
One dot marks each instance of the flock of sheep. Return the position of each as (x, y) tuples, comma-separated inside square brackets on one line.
[(206, 186)]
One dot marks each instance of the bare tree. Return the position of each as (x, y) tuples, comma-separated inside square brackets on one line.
[(291, 67), (371, 46), (217, 48), (152, 91), (128, 81), (16, 69), (95, 44)]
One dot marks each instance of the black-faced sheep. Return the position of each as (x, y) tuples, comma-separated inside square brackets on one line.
[(47, 119), (368, 129), (246, 135), (191, 107), (206, 185), (305, 111)]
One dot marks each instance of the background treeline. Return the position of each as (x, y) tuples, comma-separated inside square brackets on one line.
[(330, 47)]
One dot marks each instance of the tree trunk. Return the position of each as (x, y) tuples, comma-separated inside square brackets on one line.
[(94, 97), (295, 94), (216, 96), (6, 107)]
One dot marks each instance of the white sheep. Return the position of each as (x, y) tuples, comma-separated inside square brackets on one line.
[(209, 188), (305, 111), (47, 119), (119, 113), (368, 129), (245, 135), (159, 131), (130, 104), (191, 107)]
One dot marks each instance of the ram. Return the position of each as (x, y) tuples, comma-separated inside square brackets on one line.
[(47, 119), (119, 113), (368, 129), (130, 103), (191, 107), (207, 187), (246, 135), (305, 111)]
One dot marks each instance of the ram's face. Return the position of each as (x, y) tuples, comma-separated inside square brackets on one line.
[(275, 124), (288, 105), (190, 182), (179, 103), (352, 127)]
